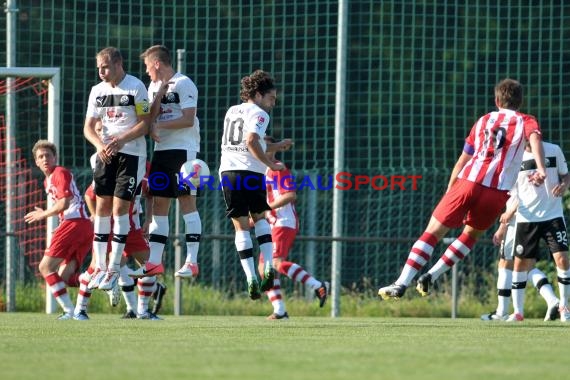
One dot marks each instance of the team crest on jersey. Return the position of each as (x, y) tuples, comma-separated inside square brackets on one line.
[(260, 121), (171, 97), (124, 100)]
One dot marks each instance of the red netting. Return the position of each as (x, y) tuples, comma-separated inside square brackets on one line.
[(39, 86), (26, 194)]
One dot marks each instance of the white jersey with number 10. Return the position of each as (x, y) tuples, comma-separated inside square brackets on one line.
[(241, 120)]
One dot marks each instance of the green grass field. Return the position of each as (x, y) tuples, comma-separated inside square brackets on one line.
[(36, 346)]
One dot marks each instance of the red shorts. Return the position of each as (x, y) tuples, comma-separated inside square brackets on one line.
[(283, 240), (135, 243), (72, 240), (472, 204)]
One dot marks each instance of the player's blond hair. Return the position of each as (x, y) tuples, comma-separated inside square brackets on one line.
[(159, 53), (112, 54), (44, 144)]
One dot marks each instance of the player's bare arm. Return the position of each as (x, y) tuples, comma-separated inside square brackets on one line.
[(147, 213), (500, 234), (140, 129), (506, 217), (280, 146), (562, 186), (41, 214), (186, 121), (155, 106), (537, 149), (504, 220), (283, 199), (254, 147), (90, 133), (461, 162), (90, 203)]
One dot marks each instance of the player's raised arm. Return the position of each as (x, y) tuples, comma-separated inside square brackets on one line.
[(254, 147)]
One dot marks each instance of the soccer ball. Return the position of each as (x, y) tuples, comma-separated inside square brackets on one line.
[(197, 168)]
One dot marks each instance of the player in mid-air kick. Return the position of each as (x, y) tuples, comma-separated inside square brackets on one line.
[(478, 188)]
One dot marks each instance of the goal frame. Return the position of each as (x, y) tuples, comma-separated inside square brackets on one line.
[(53, 75)]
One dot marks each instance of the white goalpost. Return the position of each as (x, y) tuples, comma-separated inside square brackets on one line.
[(53, 76)]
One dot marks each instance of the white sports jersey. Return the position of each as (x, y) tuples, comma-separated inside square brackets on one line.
[(239, 121), (181, 94), (60, 184), (118, 108), (536, 203)]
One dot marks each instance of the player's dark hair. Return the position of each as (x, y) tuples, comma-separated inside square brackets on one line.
[(112, 53), (258, 81), (44, 144), (159, 53), (509, 94)]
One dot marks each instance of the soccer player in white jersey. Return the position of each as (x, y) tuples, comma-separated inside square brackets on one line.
[(281, 196), (478, 188), (242, 169), (176, 135), (137, 248), (504, 238), (540, 215), (120, 103), (72, 239)]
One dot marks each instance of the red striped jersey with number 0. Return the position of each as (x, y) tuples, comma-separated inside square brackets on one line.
[(497, 141)]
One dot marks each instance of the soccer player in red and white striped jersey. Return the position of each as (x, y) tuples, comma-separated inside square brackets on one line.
[(478, 188), (72, 239), (282, 217)]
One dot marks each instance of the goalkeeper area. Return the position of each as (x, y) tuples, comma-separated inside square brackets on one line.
[(21, 188)]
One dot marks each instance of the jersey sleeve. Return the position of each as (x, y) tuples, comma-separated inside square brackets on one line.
[(561, 162), (92, 105), (61, 179), (142, 105), (259, 122), (530, 126), (188, 93)]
